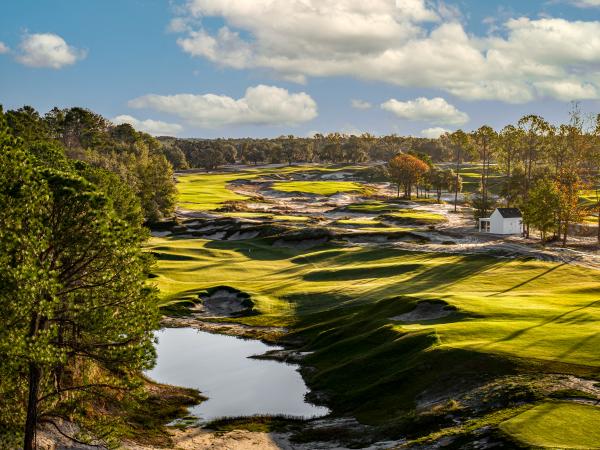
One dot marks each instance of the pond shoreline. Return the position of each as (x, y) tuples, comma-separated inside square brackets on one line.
[(265, 334), (274, 388)]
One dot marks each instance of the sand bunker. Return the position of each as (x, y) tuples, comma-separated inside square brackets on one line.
[(426, 311), (224, 301)]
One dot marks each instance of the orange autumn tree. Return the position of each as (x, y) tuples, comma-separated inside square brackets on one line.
[(406, 171)]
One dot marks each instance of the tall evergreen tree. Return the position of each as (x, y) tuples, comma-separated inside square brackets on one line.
[(78, 317)]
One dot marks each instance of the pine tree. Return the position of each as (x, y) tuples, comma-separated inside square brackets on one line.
[(78, 317)]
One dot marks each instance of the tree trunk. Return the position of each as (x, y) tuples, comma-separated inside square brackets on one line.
[(483, 182), (36, 324), (35, 374), (565, 234), (457, 178), (508, 182)]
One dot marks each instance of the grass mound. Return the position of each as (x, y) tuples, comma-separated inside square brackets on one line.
[(374, 207), (414, 217), (357, 273), (556, 425), (359, 222), (325, 188)]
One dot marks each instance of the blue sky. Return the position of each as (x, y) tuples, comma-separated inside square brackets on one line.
[(210, 68)]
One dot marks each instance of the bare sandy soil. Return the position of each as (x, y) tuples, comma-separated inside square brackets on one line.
[(195, 438), (198, 439)]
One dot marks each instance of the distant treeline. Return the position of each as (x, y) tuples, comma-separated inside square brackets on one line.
[(210, 154)]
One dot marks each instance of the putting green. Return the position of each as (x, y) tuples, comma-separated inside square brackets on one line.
[(560, 425), (206, 192)]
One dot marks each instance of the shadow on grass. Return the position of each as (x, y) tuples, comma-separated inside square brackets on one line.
[(556, 319), (172, 257), (516, 286), (373, 371), (580, 344), (357, 273), (442, 276), (254, 249)]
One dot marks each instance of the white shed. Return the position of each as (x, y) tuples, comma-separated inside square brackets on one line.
[(503, 221)]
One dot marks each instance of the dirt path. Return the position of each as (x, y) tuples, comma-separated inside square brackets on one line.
[(196, 439), (199, 439)]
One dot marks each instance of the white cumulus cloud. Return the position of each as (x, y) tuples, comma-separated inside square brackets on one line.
[(585, 3), (3, 48), (47, 50), (153, 127), (434, 133), (567, 90), (410, 43), (261, 105), (435, 110), (360, 104)]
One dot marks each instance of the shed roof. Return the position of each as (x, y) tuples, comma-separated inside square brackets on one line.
[(510, 213)]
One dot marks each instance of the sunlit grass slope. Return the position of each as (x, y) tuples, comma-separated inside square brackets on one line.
[(205, 192), (529, 309), (557, 425), (208, 191), (373, 207), (415, 216), (319, 187)]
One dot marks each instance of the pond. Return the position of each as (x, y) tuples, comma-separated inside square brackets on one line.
[(236, 385)]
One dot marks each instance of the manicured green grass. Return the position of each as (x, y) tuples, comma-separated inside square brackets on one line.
[(415, 216), (386, 229), (247, 215), (556, 425), (373, 207), (471, 176), (290, 218), (359, 222), (588, 198), (320, 187), (529, 309), (206, 192)]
